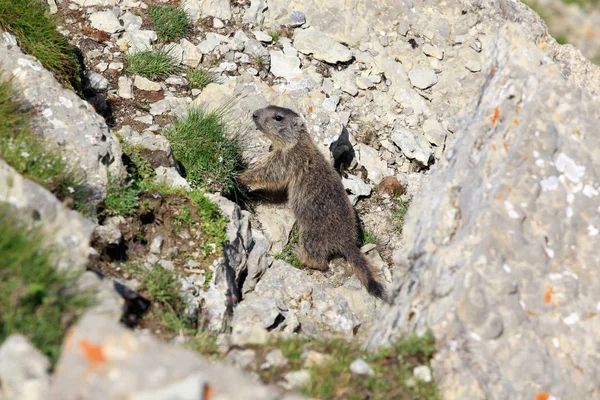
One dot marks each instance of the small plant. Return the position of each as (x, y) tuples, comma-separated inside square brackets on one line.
[(37, 35), (368, 237), (36, 300), (171, 22), (402, 210), (275, 35), (199, 78), (121, 199), (260, 62), (287, 254), (153, 64), (210, 157), (212, 223)]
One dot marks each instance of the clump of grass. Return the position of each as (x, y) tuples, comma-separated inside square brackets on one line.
[(260, 62), (213, 224), (121, 199), (210, 157), (401, 212), (368, 237), (393, 369), (275, 35), (171, 22), (158, 63), (37, 35), (25, 151), (36, 300), (287, 254), (199, 78)]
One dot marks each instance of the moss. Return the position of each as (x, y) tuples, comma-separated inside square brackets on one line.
[(36, 300), (37, 35)]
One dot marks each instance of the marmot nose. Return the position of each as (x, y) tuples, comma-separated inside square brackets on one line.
[(255, 114)]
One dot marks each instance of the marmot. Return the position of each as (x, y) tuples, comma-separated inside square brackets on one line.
[(326, 219)]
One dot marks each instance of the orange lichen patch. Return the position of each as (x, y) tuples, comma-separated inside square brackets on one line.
[(208, 393), (499, 197), (494, 118), (506, 146), (548, 295), (92, 352), (542, 396), (591, 33), (310, 109), (493, 147), (516, 121), (494, 69), (577, 132), (531, 313)]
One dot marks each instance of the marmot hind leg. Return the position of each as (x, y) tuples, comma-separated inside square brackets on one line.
[(308, 256)]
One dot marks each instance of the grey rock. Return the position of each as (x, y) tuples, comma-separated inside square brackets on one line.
[(131, 22), (322, 47), (345, 81), (242, 359), (105, 21), (156, 245), (107, 300), (211, 41), (423, 373), (52, 8), (254, 13), (258, 262), (356, 187), (276, 223), (108, 235), (170, 105), (125, 87), (434, 132), (433, 51), (96, 82), (422, 78), (364, 83), (191, 55), (116, 66), (314, 358), (370, 159), (285, 66), (216, 8), (361, 367), (65, 122), (138, 40), (176, 80), (23, 370), (505, 205), (136, 366), (96, 3), (296, 379), (63, 229), (262, 37), (473, 65), (412, 145), (297, 18), (276, 359), (145, 84), (218, 24)]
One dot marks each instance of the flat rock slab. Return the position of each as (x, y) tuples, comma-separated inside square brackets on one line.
[(103, 360), (322, 47)]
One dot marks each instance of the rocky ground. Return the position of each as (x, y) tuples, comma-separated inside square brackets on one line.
[(464, 135)]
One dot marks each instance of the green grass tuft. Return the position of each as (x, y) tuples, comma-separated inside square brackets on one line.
[(201, 144), (199, 78), (287, 254), (401, 213), (37, 35), (36, 300), (275, 35), (171, 22), (27, 154), (153, 64), (368, 237), (121, 199)]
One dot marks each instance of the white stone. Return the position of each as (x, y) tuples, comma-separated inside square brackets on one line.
[(433, 51), (422, 372), (262, 37), (361, 367), (321, 46), (422, 78), (146, 84), (125, 88), (285, 66), (369, 158), (105, 21), (191, 55)]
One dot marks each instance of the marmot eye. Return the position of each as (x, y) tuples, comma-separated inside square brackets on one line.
[(278, 118)]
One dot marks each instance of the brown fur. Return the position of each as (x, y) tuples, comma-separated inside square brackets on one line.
[(325, 216)]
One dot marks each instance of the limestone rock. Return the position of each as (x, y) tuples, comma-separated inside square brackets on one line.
[(145, 84), (285, 66), (322, 47), (23, 370), (103, 360), (65, 121), (491, 238), (105, 21), (276, 223), (422, 78), (412, 145)]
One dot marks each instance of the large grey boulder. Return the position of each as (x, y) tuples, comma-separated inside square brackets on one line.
[(502, 244), (65, 231), (23, 370), (103, 360), (65, 120)]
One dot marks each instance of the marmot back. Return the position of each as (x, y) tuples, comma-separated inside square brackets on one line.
[(326, 219)]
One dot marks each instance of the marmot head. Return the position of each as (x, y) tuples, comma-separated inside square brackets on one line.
[(281, 125)]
